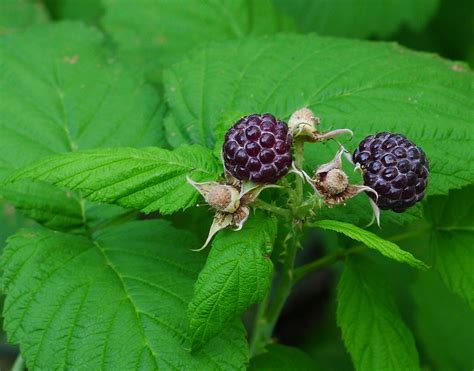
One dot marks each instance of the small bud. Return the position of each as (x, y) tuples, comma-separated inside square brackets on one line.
[(303, 123), (222, 197), (335, 181), (332, 184)]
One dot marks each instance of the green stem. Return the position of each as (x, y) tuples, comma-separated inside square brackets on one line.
[(272, 208), (269, 310), (325, 261), (19, 364), (329, 259)]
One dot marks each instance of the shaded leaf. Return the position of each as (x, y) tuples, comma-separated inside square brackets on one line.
[(452, 240), (443, 324), (359, 18), (155, 33), (282, 358), (373, 332)]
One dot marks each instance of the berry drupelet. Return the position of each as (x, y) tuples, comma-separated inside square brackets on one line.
[(258, 148), (395, 168)]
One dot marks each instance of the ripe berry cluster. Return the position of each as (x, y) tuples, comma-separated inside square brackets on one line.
[(394, 167), (258, 148)]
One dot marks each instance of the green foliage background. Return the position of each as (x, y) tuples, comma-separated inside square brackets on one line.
[(107, 105)]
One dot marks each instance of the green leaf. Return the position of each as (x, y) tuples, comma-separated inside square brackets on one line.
[(282, 358), (238, 273), (84, 10), (149, 179), (112, 303), (439, 318), (53, 207), (452, 240), (372, 241), (62, 92), (156, 33), (359, 18), (10, 221), (365, 86), (17, 15), (373, 332)]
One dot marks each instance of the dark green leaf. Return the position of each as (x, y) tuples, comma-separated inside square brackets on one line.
[(444, 325), (84, 10), (282, 358), (452, 240), (156, 33), (359, 18), (373, 332)]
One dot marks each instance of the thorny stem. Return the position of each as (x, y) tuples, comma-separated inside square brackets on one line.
[(269, 310)]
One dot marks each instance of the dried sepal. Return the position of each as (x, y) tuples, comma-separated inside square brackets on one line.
[(230, 202), (304, 124), (331, 183)]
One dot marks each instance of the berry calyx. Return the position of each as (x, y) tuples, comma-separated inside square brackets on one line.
[(336, 181), (258, 149), (394, 167)]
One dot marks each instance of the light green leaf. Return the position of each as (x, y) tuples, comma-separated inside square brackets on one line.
[(282, 358), (61, 92), (359, 18), (112, 303), (443, 325), (452, 240), (17, 15), (371, 240), (156, 33), (373, 332), (51, 206), (149, 179), (238, 273), (365, 86)]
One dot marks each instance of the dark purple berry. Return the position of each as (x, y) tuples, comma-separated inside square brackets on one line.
[(395, 167), (258, 148)]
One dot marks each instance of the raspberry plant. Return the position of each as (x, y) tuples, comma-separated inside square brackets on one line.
[(126, 140)]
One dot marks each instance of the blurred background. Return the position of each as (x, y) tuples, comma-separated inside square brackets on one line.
[(443, 325)]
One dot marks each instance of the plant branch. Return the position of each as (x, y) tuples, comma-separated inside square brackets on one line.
[(325, 261), (272, 208)]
